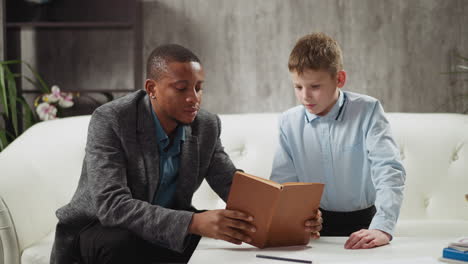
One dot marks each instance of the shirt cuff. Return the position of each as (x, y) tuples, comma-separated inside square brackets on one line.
[(382, 224)]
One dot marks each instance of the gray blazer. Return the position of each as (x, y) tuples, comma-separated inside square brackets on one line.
[(120, 175)]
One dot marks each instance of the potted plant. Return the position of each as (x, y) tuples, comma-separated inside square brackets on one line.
[(461, 69), (16, 113)]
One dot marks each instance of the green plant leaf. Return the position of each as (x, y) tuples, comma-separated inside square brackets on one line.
[(3, 139), (461, 57), (8, 62), (34, 83), (29, 117), (12, 99), (4, 142), (43, 86), (3, 90)]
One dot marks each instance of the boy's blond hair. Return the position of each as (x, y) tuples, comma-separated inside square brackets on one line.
[(316, 51)]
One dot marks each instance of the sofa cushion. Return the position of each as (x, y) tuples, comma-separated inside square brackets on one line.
[(39, 252), (42, 168)]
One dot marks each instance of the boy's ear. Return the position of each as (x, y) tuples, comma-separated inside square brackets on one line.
[(340, 78)]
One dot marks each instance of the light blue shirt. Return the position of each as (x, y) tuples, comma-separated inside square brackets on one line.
[(169, 162), (351, 150)]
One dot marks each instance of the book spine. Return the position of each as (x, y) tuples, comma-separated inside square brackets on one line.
[(455, 254), (272, 214)]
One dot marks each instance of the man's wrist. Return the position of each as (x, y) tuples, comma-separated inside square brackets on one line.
[(193, 226)]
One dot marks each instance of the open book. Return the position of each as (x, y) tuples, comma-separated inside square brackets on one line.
[(279, 210)]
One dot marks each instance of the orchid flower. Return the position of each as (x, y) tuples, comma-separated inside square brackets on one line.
[(46, 111), (65, 100)]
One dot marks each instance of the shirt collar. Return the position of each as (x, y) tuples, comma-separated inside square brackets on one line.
[(309, 117), (161, 136)]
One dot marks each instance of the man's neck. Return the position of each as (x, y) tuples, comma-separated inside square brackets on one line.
[(168, 125)]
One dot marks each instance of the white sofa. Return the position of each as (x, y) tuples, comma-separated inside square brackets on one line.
[(40, 170)]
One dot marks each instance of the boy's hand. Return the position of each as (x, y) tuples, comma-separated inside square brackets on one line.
[(365, 238), (223, 224), (314, 225)]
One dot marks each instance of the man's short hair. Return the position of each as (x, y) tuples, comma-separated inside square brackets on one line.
[(316, 51), (164, 54)]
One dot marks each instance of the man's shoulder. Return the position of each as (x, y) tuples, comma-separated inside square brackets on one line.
[(124, 104), (205, 116), (205, 122)]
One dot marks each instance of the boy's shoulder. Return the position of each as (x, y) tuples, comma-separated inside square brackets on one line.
[(362, 106), (291, 116), (294, 111), (358, 98)]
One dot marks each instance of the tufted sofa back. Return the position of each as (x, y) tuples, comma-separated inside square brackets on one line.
[(434, 149), (40, 170)]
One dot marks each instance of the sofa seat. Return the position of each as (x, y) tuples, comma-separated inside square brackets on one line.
[(39, 252)]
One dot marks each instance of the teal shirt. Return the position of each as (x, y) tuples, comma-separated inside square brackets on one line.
[(169, 163)]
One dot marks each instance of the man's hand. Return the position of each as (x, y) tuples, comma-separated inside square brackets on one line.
[(314, 225), (227, 225), (365, 238)]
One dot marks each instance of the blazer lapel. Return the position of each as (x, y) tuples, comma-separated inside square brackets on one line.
[(188, 170), (147, 140)]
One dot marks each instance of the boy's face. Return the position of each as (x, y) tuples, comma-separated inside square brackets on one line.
[(317, 90)]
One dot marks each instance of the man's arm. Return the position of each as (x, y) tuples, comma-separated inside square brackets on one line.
[(388, 176), (221, 169), (227, 225), (107, 175)]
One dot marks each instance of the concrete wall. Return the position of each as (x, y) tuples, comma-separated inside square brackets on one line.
[(394, 50)]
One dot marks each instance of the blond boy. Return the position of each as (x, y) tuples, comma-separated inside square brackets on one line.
[(342, 139)]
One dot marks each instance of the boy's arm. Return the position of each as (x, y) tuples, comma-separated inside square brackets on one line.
[(283, 169), (388, 174)]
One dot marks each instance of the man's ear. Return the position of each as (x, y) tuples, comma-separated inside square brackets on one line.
[(150, 87), (340, 78)]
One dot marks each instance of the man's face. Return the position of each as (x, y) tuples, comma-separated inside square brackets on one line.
[(178, 92), (317, 90)]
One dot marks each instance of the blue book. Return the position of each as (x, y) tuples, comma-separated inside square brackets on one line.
[(451, 253)]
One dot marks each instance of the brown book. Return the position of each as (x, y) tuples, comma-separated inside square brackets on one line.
[(279, 210)]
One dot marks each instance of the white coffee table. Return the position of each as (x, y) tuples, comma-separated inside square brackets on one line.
[(403, 250)]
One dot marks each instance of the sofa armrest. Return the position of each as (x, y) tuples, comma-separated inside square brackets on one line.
[(9, 249)]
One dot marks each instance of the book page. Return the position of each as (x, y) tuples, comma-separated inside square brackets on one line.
[(267, 181)]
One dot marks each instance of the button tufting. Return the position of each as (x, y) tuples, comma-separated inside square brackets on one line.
[(426, 202), (402, 154), (242, 151), (456, 151)]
